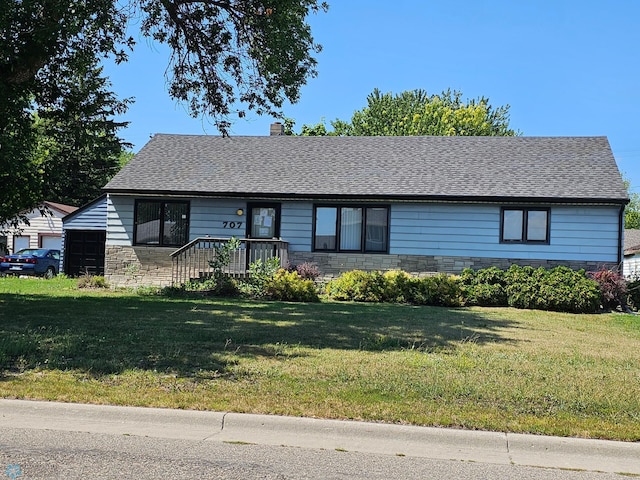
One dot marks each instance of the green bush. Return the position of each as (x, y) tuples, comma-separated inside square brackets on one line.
[(558, 289), (291, 287), (485, 295), (440, 290), (260, 274), (395, 286), (219, 286), (399, 287), (485, 287), (358, 286)]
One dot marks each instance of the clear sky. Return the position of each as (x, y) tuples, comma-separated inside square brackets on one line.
[(565, 67)]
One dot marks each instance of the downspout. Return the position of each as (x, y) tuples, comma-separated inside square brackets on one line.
[(620, 235)]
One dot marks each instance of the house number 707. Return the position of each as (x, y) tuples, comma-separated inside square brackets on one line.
[(232, 224)]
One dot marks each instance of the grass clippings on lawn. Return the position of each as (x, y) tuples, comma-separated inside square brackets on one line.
[(478, 368)]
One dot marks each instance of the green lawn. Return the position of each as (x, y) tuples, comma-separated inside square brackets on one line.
[(478, 368)]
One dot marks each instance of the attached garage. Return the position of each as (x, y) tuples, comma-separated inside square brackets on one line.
[(84, 252), (83, 238)]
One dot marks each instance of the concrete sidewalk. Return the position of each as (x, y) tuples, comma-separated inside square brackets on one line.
[(435, 443)]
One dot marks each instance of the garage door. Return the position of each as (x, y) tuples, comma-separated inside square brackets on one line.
[(84, 252), (20, 243), (51, 242)]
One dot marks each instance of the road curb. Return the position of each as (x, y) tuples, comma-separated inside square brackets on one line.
[(380, 438), (376, 438)]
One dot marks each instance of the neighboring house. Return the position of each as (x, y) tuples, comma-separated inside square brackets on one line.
[(420, 204), (631, 265), (43, 231), (83, 239)]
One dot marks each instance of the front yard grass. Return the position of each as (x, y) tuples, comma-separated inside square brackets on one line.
[(476, 368)]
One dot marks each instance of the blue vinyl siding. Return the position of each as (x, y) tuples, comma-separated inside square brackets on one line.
[(581, 233), (91, 217), (120, 220), (577, 233), (296, 225), (208, 217)]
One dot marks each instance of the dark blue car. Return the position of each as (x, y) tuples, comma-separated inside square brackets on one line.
[(31, 261)]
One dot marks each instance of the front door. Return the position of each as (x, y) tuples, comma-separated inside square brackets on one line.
[(264, 220), (264, 224)]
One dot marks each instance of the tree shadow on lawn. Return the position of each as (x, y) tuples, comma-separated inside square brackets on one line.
[(103, 335)]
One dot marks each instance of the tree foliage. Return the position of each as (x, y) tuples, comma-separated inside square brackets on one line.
[(416, 112), (632, 210), (226, 55), (83, 150), (256, 52), (43, 44)]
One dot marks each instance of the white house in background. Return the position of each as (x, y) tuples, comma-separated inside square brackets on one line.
[(420, 204), (43, 231), (631, 265)]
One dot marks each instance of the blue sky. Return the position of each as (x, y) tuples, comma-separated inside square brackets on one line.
[(565, 67)]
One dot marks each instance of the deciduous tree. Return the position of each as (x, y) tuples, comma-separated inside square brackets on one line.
[(417, 113), (228, 56), (632, 210)]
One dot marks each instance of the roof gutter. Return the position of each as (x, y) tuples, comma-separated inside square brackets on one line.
[(374, 197)]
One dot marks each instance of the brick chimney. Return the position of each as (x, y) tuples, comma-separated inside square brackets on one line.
[(276, 129)]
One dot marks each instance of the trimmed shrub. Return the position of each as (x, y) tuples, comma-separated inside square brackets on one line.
[(559, 289), (399, 287), (523, 286), (440, 290), (485, 287), (358, 286), (291, 287)]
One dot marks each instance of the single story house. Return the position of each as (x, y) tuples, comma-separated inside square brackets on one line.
[(631, 265), (84, 234), (43, 231), (420, 204)]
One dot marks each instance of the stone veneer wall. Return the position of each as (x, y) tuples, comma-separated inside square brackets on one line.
[(331, 264), (151, 266), (138, 266)]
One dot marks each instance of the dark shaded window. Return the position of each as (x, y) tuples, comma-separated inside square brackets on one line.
[(161, 223), (376, 229), (525, 225), (326, 228), (351, 229)]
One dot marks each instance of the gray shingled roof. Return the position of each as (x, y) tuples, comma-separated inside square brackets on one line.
[(536, 168), (631, 241)]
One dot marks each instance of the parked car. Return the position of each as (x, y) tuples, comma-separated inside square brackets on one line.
[(31, 261)]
